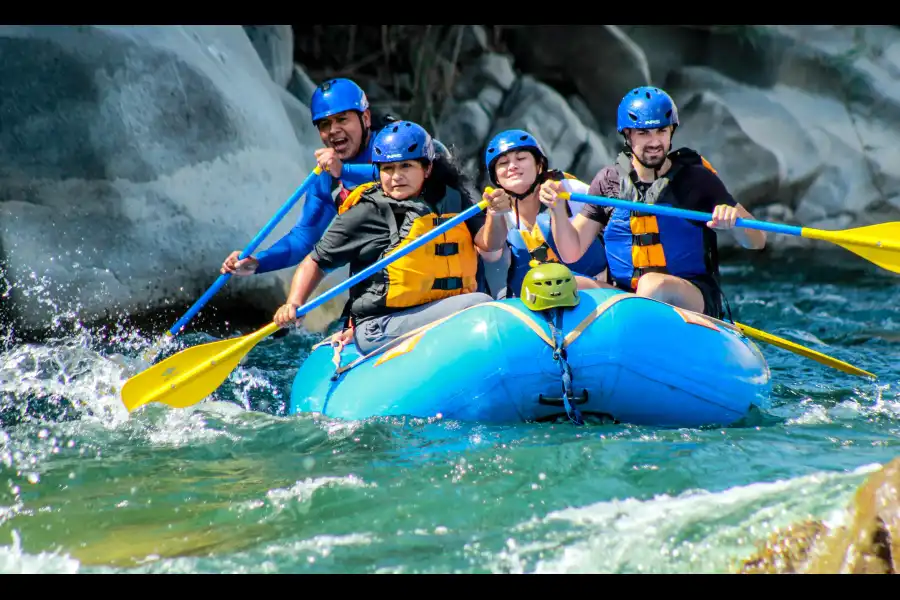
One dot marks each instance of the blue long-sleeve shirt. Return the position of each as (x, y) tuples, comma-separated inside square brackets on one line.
[(319, 208)]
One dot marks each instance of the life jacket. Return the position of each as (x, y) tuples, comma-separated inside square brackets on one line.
[(445, 267), (639, 243), (538, 245)]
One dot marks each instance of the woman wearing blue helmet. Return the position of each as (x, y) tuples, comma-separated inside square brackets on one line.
[(666, 258), (415, 189), (518, 166)]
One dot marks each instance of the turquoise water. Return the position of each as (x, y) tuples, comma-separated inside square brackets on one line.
[(220, 488)]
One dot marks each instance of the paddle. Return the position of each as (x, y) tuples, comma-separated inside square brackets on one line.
[(193, 374), (879, 244), (824, 359), (883, 252), (151, 353)]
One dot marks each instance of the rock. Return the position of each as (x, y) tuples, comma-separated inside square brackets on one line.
[(132, 160), (785, 551), (275, 46), (869, 543), (590, 158), (488, 70), (775, 212), (301, 118), (465, 128), (668, 48), (301, 86), (472, 41), (760, 150), (601, 62), (466, 121), (841, 221), (583, 112)]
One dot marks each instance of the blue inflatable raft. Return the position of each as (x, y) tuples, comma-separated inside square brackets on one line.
[(632, 359)]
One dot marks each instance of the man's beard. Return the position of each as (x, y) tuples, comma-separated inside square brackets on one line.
[(654, 162)]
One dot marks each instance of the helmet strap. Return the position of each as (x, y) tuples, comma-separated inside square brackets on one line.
[(365, 133)]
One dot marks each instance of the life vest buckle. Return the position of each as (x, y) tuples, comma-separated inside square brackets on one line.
[(446, 249), (646, 239), (541, 253), (447, 283)]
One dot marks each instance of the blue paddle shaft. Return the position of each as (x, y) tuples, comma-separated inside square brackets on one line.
[(377, 266), (256, 241), (669, 211)]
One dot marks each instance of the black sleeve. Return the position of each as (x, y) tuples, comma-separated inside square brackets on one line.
[(703, 191), (605, 183), (476, 222), (360, 234), (597, 213)]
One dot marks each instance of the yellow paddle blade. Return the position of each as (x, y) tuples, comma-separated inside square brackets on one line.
[(191, 375), (803, 351), (879, 244)]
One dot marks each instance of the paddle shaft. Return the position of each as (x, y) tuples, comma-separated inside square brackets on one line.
[(670, 211), (254, 243), (384, 262)]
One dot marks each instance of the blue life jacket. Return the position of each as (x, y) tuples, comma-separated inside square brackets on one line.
[(538, 245), (638, 243)]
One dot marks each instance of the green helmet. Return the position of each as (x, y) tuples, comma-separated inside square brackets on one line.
[(549, 285)]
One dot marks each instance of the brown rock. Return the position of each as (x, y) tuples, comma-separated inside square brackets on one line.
[(869, 544)]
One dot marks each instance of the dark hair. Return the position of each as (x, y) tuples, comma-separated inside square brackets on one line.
[(446, 172)]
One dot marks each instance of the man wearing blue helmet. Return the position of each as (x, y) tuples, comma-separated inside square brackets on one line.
[(341, 113), (666, 258), (517, 165), (416, 189)]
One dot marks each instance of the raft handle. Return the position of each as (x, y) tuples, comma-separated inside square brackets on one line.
[(559, 401)]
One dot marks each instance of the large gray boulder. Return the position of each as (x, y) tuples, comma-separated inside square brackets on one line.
[(275, 46), (132, 160), (542, 111), (601, 62)]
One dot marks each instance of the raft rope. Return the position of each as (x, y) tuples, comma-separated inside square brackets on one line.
[(565, 371)]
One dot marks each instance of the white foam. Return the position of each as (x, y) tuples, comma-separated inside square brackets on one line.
[(14, 561), (697, 531)]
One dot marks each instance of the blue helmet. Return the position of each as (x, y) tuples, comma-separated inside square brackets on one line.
[(402, 140), (511, 139), (646, 108), (335, 96)]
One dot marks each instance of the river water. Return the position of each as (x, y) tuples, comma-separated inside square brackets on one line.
[(232, 485)]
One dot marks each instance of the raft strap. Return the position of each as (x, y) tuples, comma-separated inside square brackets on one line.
[(565, 371)]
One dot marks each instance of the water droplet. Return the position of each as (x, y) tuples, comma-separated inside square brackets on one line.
[(33, 478)]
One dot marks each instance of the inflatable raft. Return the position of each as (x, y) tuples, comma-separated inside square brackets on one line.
[(629, 359)]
